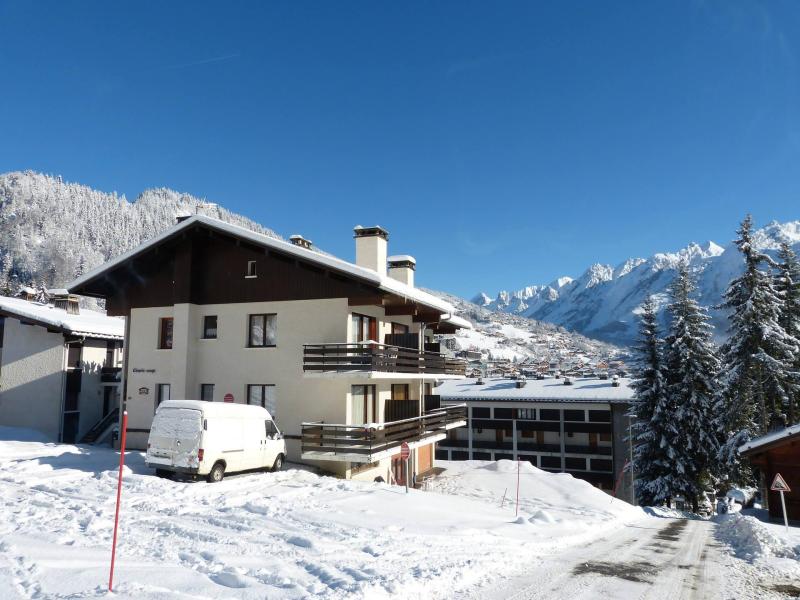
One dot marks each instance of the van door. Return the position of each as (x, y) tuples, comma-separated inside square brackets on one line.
[(175, 434), (272, 445), (253, 444)]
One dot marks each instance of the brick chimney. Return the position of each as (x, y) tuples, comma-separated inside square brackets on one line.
[(371, 247), (402, 267)]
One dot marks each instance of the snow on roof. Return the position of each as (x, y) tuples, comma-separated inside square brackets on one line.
[(384, 282), (88, 323), (457, 321), (536, 390), (770, 438)]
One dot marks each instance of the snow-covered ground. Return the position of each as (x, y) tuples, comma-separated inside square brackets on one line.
[(292, 534), (278, 535)]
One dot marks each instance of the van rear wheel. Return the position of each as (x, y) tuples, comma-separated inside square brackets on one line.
[(217, 473), (278, 463), (163, 473)]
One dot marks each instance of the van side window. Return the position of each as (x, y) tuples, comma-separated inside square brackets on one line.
[(271, 429)]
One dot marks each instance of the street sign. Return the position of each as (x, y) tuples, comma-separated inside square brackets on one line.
[(405, 451), (228, 397), (779, 484)]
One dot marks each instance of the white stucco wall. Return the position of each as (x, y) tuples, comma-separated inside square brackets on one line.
[(31, 378)]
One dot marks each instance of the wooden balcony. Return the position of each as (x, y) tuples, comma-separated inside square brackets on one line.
[(370, 443), (372, 358)]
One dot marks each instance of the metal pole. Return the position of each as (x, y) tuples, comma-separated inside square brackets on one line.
[(119, 494), (630, 445), (408, 471), (785, 519), (516, 514)]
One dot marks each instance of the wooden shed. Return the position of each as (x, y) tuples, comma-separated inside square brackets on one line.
[(778, 452)]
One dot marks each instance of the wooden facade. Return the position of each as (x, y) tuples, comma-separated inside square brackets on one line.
[(780, 456)]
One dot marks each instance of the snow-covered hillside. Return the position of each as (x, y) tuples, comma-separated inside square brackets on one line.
[(51, 230), (501, 335), (292, 534), (603, 302)]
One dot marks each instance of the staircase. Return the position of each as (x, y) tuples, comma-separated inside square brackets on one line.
[(96, 432)]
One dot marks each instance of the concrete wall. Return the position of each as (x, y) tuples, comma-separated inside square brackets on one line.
[(31, 378)]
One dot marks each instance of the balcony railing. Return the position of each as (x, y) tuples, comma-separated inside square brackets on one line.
[(373, 357), (368, 443)]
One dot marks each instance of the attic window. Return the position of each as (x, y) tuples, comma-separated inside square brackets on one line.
[(251, 269)]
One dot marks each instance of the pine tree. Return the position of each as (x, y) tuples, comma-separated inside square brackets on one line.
[(787, 282), (692, 368), (757, 382), (650, 463)]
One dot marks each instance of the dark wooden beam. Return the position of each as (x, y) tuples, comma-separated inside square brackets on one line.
[(402, 309), (365, 301)]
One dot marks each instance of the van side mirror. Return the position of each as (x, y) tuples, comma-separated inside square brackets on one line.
[(279, 436)]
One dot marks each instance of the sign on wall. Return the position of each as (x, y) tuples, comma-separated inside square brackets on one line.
[(143, 391), (228, 397)]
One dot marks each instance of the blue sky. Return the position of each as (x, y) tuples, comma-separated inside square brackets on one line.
[(503, 144)]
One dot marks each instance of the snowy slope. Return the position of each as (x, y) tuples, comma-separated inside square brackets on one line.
[(603, 302), (502, 335), (291, 534)]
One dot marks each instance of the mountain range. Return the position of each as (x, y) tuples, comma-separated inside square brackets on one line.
[(604, 301)]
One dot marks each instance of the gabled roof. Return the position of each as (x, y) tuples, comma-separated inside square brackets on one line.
[(383, 282), (538, 390), (88, 323), (770, 439)]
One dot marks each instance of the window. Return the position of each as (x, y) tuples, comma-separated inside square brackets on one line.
[(549, 414), (399, 329), (605, 437), (600, 464), (74, 355), (251, 269), (503, 413), (365, 407), (528, 434), (210, 327), (550, 462), (2, 328), (207, 392), (399, 391), (526, 413), (262, 395), (165, 333), (480, 412), (574, 415), (363, 329), (270, 429), (262, 331), (600, 416), (572, 462), (162, 393)]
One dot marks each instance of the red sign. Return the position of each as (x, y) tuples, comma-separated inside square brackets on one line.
[(228, 397), (405, 451), (779, 484)]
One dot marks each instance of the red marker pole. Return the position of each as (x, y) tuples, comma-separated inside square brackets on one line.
[(119, 495), (516, 514)]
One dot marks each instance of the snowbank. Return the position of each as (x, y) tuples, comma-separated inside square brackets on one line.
[(291, 534), (750, 539)]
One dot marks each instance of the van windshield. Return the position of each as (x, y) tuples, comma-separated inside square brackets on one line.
[(177, 423)]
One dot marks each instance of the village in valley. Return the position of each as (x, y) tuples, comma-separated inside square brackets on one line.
[(198, 400)]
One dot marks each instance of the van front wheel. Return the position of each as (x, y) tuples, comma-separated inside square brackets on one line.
[(278, 463), (217, 473)]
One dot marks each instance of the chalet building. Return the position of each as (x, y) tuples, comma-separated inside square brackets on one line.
[(579, 428), (341, 354), (59, 368), (778, 452)]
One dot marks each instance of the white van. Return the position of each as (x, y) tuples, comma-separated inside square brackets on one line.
[(213, 438)]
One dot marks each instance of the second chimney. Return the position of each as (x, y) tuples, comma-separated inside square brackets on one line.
[(402, 267), (371, 247), (299, 240)]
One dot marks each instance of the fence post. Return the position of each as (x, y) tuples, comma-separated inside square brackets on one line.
[(119, 494)]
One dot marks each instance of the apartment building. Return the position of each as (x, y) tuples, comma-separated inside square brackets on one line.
[(563, 425), (341, 354), (59, 368)]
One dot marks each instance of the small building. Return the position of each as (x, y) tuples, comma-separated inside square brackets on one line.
[(778, 452), (60, 368), (581, 428)]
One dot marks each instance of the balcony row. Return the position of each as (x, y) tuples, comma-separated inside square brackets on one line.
[(527, 447), (368, 358), (370, 443)]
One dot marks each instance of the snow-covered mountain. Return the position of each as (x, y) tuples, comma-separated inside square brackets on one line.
[(603, 302), (51, 230)]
